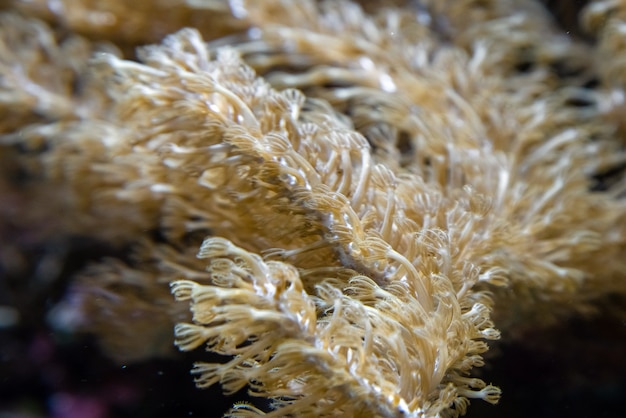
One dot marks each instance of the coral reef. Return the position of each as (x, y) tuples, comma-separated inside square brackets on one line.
[(346, 200)]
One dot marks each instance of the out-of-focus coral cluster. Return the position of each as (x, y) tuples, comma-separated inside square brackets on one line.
[(344, 197)]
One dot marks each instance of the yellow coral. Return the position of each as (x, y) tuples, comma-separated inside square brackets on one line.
[(373, 183)]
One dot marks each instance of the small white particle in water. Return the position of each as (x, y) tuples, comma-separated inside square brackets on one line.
[(8, 317)]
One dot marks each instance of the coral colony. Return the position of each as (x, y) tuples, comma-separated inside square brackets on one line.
[(346, 200)]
